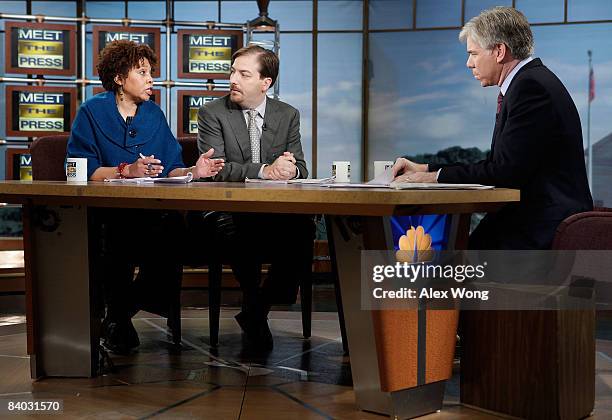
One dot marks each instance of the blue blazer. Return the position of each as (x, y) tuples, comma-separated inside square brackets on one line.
[(101, 135)]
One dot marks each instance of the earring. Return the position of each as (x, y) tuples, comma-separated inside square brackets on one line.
[(120, 90)]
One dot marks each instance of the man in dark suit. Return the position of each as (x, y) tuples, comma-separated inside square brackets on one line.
[(259, 137), (537, 140)]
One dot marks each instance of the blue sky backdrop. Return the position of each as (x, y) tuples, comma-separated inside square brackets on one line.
[(423, 98)]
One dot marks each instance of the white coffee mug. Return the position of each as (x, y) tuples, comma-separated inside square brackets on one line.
[(76, 169), (381, 166), (341, 170)]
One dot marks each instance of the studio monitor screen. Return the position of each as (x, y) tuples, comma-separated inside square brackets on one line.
[(40, 48), (34, 111), (189, 102), (103, 35), (206, 54)]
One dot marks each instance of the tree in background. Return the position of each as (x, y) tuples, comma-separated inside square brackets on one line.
[(455, 154)]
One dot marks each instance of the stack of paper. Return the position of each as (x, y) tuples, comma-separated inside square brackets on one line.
[(290, 181), (385, 180), (411, 186), (437, 186), (170, 180)]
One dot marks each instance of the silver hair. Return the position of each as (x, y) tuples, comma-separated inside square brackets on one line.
[(500, 25)]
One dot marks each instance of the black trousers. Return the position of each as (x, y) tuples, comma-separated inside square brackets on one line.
[(285, 241), (123, 239), (246, 240)]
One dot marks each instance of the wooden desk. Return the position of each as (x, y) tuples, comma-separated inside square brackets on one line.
[(399, 359)]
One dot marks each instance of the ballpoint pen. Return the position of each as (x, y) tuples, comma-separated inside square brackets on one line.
[(149, 165)]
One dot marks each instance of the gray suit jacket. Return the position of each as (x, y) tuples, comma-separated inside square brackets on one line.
[(221, 125)]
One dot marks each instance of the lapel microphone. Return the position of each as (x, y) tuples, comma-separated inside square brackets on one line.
[(131, 131), (263, 127)]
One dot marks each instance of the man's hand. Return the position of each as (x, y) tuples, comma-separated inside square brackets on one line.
[(283, 168), (207, 166), (417, 177), (403, 165)]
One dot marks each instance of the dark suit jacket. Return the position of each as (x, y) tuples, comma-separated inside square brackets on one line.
[(537, 148), (221, 125)]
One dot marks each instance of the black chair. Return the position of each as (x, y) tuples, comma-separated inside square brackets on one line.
[(48, 155), (215, 261), (205, 223)]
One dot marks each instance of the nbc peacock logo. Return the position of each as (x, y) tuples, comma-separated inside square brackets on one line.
[(415, 246)]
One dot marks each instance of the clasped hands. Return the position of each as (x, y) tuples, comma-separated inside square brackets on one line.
[(405, 170), (283, 168)]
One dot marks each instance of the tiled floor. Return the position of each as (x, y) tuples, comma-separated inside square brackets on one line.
[(300, 379)]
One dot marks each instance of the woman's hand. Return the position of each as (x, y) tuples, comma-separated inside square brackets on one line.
[(205, 166), (144, 166)]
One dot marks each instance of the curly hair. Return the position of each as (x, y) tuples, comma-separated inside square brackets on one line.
[(119, 57)]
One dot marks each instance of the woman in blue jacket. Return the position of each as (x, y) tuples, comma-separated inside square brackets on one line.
[(124, 135)]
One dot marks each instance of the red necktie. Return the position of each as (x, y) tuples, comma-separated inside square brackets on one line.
[(500, 98)]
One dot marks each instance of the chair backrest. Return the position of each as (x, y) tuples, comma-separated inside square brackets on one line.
[(587, 230), (190, 150), (48, 156), (49, 153)]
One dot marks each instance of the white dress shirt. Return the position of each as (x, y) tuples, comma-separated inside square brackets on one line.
[(259, 121), (506, 83)]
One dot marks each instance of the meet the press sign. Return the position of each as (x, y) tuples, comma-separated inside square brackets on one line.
[(40, 48)]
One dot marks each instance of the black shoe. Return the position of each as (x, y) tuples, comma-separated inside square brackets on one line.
[(241, 319), (132, 339), (256, 331), (119, 337)]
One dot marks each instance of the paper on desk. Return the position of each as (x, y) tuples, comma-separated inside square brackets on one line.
[(411, 186), (311, 180), (385, 178), (129, 180), (265, 181), (170, 180), (437, 186), (381, 181), (290, 181), (353, 185), (175, 179)]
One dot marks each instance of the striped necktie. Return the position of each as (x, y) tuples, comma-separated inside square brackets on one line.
[(254, 136)]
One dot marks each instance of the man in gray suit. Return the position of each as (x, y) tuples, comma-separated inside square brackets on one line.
[(259, 137), (246, 120)]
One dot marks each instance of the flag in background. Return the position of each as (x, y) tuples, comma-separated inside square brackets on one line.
[(591, 85)]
